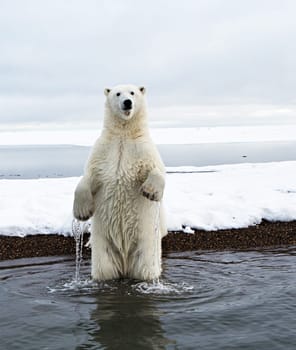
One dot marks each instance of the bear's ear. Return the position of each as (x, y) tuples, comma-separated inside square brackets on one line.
[(107, 91), (142, 89)]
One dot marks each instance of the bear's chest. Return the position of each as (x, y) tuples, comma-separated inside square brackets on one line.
[(124, 164)]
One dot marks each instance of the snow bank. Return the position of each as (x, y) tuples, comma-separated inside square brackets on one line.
[(209, 198)]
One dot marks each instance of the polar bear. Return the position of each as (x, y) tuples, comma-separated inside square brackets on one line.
[(122, 190)]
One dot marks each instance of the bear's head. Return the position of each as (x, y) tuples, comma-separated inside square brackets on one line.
[(125, 101)]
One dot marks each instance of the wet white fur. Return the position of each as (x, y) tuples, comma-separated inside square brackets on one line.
[(124, 164)]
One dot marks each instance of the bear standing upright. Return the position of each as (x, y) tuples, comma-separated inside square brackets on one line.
[(122, 188)]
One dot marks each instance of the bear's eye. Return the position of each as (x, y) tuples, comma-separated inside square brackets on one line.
[(132, 93), (118, 94)]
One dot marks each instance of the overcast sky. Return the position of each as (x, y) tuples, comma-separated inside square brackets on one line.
[(204, 62)]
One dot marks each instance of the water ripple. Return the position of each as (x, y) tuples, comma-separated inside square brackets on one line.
[(218, 300)]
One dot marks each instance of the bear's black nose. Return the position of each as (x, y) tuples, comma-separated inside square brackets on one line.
[(127, 104)]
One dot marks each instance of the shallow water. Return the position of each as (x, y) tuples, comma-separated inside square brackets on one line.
[(205, 300)]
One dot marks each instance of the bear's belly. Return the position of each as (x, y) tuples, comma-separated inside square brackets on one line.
[(117, 210)]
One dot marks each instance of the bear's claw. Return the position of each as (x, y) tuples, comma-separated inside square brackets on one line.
[(150, 192), (83, 218), (151, 196)]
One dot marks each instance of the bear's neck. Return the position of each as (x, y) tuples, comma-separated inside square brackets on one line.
[(134, 128)]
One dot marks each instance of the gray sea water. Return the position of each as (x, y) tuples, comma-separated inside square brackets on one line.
[(205, 300), (63, 161)]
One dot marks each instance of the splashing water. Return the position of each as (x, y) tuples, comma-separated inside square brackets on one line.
[(78, 229), (156, 257), (162, 288), (82, 286)]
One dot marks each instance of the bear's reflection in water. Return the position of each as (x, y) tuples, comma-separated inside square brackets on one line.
[(125, 321)]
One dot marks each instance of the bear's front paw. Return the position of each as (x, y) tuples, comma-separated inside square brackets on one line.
[(151, 192), (83, 212), (83, 207)]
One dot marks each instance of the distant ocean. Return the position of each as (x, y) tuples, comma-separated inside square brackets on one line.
[(53, 161)]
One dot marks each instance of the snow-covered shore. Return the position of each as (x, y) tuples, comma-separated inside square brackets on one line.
[(209, 198)]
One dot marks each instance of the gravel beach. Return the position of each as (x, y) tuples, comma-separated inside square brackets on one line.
[(266, 234)]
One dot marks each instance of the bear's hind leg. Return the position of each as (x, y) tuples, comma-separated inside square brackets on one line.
[(102, 265), (146, 261)]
